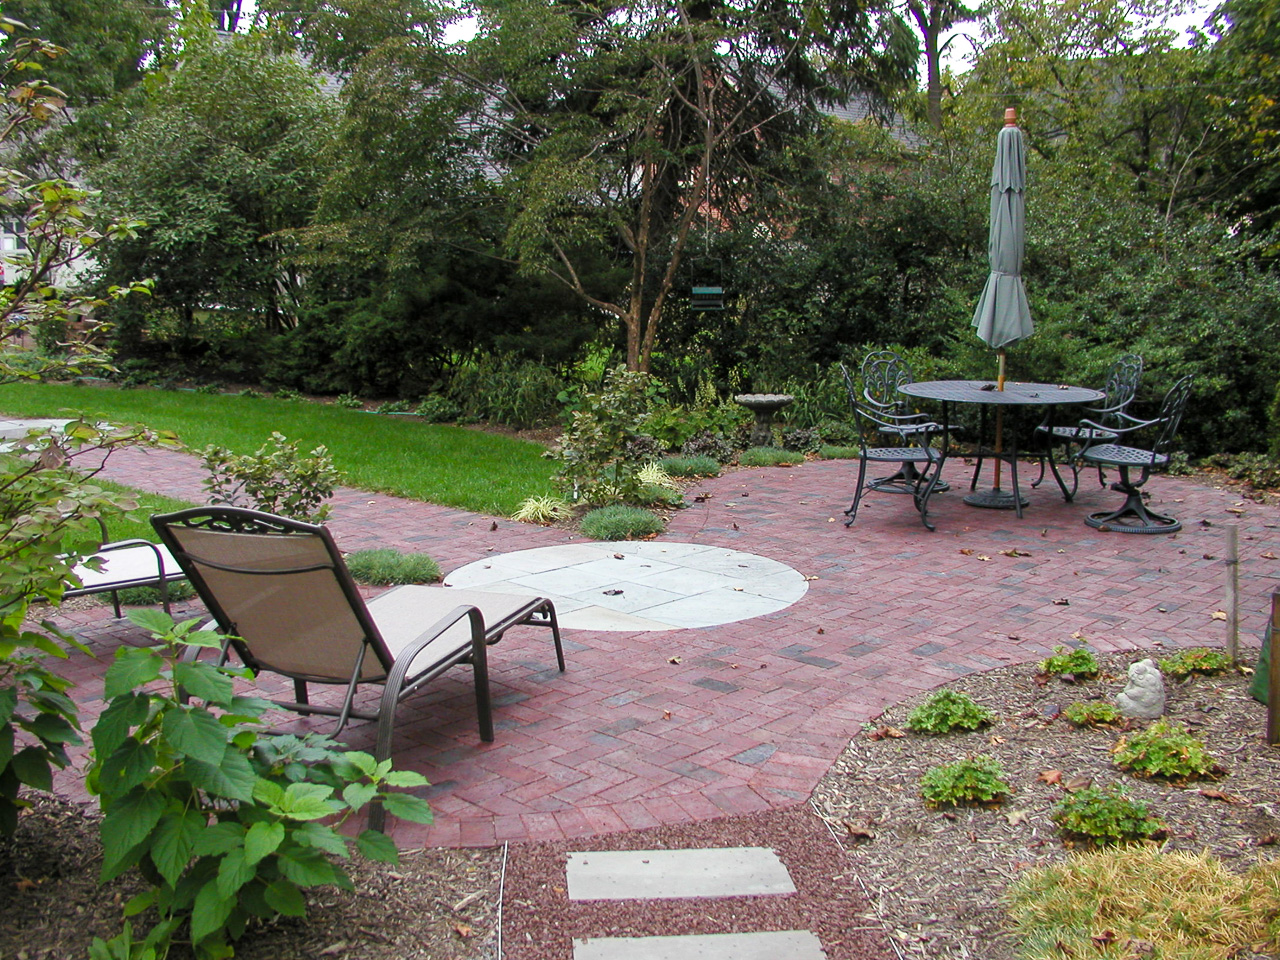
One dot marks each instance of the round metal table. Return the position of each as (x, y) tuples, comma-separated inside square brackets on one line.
[(1014, 394)]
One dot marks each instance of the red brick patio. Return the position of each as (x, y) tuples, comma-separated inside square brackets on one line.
[(754, 712)]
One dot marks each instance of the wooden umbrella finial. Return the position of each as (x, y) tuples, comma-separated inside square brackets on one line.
[(1011, 117)]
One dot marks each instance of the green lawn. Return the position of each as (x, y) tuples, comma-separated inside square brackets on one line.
[(452, 466)]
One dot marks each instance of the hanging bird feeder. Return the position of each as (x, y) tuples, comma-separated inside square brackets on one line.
[(707, 294)]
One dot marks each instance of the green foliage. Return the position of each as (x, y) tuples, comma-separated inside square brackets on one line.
[(678, 425), (802, 440), (1197, 660), (655, 475), (178, 590), (769, 457), (276, 479), (659, 495), (386, 566), (620, 522), (1261, 471), (691, 466), (1092, 713), (348, 401), (839, 453), (506, 389), (976, 780), (1167, 750), (602, 445), (225, 823), (393, 406), (1079, 663), (1105, 815), (948, 710), (543, 510), (708, 444), (285, 393), (437, 409)]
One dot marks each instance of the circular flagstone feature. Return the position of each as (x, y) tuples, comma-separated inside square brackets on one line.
[(647, 585)]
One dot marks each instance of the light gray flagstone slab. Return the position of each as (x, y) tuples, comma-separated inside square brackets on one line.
[(669, 874), (772, 945)]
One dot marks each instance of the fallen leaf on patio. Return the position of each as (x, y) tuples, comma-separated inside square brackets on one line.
[(1219, 795), (666, 714), (1062, 602), (1014, 552), (673, 659), (493, 526), (966, 551), (1015, 817), (744, 494), (702, 498), (1219, 615), (1209, 556), (612, 593), (883, 732), (983, 557), (996, 741), (1013, 636), (1060, 550), (822, 630), (619, 556), (1044, 533), (1077, 635), (831, 519), (1268, 555), (811, 578), (1236, 510), (1162, 610), (736, 527), (462, 930), (733, 666), (1206, 523), (1050, 776), (858, 834), (1076, 784)]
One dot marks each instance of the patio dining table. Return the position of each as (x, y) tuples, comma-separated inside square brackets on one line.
[(1016, 395)]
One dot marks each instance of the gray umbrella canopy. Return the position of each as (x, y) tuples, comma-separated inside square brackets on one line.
[(1003, 315)]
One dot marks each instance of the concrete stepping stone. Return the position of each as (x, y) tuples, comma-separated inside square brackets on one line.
[(669, 874), (788, 944)]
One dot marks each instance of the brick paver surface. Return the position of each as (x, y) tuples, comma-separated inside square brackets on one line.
[(754, 712)]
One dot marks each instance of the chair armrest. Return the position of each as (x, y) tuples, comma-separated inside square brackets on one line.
[(1134, 424)]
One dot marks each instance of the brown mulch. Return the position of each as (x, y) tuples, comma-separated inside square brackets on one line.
[(934, 877)]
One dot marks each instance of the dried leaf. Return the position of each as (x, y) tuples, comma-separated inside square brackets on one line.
[(1015, 817), (811, 578), (673, 659), (619, 556), (966, 552), (612, 593), (25, 884), (1219, 795), (1050, 776), (736, 527), (883, 731), (983, 557), (858, 834), (1062, 602), (1270, 840), (1219, 615), (1236, 510), (493, 526), (1208, 556), (996, 741), (821, 630), (1105, 938), (462, 930), (1076, 784), (1014, 552), (666, 714), (1268, 555)]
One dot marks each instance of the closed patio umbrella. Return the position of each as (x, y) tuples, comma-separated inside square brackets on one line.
[(1003, 315)]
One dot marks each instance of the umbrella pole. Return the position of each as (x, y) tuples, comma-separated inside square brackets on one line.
[(999, 419)]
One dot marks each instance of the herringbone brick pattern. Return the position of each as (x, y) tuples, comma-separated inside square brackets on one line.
[(751, 714)]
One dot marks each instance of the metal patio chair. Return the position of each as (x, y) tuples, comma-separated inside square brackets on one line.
[(1121, 387), (281, 593), (1133, 516), (124, 564), (918, 462), (883, 372)]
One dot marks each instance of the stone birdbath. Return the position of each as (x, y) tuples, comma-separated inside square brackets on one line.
[(764, 406)]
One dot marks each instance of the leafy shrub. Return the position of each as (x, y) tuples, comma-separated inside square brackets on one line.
[(506, 389), (691, 467), (603, 446), (653, 475), (209, 388), (1077, 663), (223, 822), (275, 478), (178, 590), (392, 406), (1105, 815), (348, 401), (438, 409), (1092, 713), (1198, 660), (975, 780), (386, 566), (620, 522), (250, 394), (653, 495), (708, 444), (769, 457), (285, 393), (839, 432), (949, 710), (802, 440), (542, 510), (1256, 469), (676, 425), (1166, 750)]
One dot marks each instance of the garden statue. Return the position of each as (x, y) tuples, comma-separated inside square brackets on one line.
[(1143, 696)]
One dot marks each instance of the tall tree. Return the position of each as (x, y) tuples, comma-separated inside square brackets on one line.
[(933, 18), (609, 131)]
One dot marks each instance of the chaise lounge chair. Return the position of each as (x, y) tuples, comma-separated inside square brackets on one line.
[(280, 591)]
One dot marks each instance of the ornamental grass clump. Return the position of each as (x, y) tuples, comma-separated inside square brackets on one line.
[(1198, 660), (620, 522), (1079, 664), (386, 567), (1165, 750), (769, 457), (544, 510), (976, 780), (1104, 815), (949, 710), (1092, 713), (691, 467), (1135, 901)]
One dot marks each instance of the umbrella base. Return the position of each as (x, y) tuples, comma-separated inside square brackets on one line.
[(997, 499)]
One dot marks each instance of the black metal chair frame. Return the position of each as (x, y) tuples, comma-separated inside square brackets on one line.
[(883, 372), (1121, 387), (917, 432), (1133, 516)]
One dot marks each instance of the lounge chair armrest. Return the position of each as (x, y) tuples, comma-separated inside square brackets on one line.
[(406, 656), (1135, 424)]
